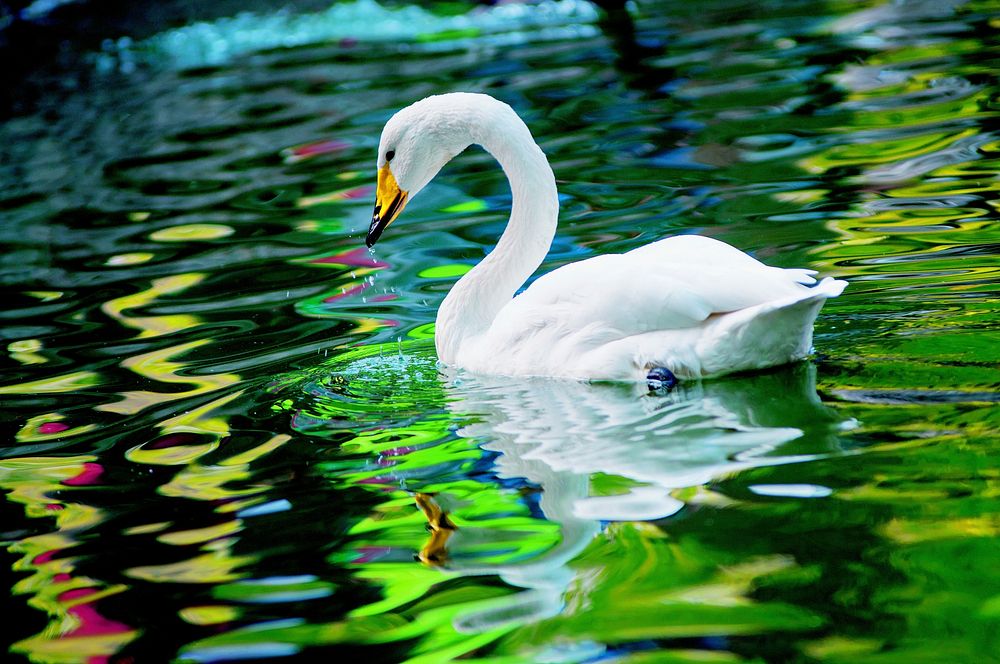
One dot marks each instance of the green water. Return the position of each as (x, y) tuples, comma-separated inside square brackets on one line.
[(226, 437)]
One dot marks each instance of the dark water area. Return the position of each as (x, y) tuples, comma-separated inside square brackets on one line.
[(225, 436)]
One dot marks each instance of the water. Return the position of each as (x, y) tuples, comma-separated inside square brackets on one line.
[(226, 437)]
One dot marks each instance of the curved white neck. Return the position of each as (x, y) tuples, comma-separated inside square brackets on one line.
[(475, 300)]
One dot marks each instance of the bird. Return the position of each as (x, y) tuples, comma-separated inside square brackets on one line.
[(683, 307)]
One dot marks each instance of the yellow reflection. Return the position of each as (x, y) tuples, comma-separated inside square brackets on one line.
[(147, 528), (366, 325), (47, 427), (209, 615), (216, 562), (238, 505), (152, 326), (937, 188), (30, 478), (201, 535), (216, 566), (45, 296), (189, 232), (130, 259), (25, 351), (914, 531), (76, 632), (199, 421), (78, 380), (176, 455), (208, 482), (251, 455), (801, 195), (56, 650), (881, 152), (842, 648), (158, 365)]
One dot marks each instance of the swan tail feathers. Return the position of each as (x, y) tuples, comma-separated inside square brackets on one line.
[(801, 276), (767, 335), (830, 287)]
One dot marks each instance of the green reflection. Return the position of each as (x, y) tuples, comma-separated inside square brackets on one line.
[(530, 518), (209, 239)]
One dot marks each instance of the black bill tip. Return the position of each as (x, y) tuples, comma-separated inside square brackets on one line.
[(375, 230), (381, 219)]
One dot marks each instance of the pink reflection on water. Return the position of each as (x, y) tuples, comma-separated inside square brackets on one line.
[(378, 481), (352, 258), (43, 558), (88, 475), (356, 193), (305, 151), (400, 451), (368, 554), (347, 293), (52, 427), (90, 623), (173, 440)]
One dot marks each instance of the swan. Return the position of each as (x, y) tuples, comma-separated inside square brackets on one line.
[(683, 307)]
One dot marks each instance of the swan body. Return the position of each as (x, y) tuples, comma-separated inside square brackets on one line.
[(690, 304)]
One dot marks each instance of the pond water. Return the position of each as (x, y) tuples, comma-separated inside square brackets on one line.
[(226, 437)]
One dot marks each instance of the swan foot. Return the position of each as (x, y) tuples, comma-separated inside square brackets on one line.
[(435, 550), (660, 379)]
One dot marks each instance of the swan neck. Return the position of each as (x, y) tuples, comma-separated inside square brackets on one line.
[(474, 302)]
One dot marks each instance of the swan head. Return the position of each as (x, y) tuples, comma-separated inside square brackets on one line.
[(416, 143)]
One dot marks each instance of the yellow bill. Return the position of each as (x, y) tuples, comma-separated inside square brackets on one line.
[(389, 202)]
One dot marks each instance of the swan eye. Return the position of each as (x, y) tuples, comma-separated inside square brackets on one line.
[(389, 155)]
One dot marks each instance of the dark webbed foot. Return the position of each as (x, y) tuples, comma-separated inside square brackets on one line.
[(660, 379)]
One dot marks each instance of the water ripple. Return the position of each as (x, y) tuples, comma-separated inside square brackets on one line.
[(214, 395)]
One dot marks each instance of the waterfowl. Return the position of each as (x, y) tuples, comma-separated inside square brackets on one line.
[(687, 305)]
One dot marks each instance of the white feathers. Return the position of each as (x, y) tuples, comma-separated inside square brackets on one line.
[(691, 304), (613, 317)]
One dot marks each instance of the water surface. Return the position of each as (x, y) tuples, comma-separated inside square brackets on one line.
[(226, 437)]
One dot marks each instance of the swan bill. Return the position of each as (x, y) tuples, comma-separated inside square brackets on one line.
[(389, 202)]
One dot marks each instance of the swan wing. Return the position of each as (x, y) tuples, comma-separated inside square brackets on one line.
[(672, 284), (707, 252)]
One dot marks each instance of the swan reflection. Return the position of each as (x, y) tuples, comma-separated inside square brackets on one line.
[(516, 477), (560, 435)]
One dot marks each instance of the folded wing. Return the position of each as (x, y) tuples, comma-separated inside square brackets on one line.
[(675, 283)]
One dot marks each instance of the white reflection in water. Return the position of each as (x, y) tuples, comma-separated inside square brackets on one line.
[(557, 434)]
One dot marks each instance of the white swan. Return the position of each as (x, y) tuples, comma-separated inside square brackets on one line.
[(689, 304)]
